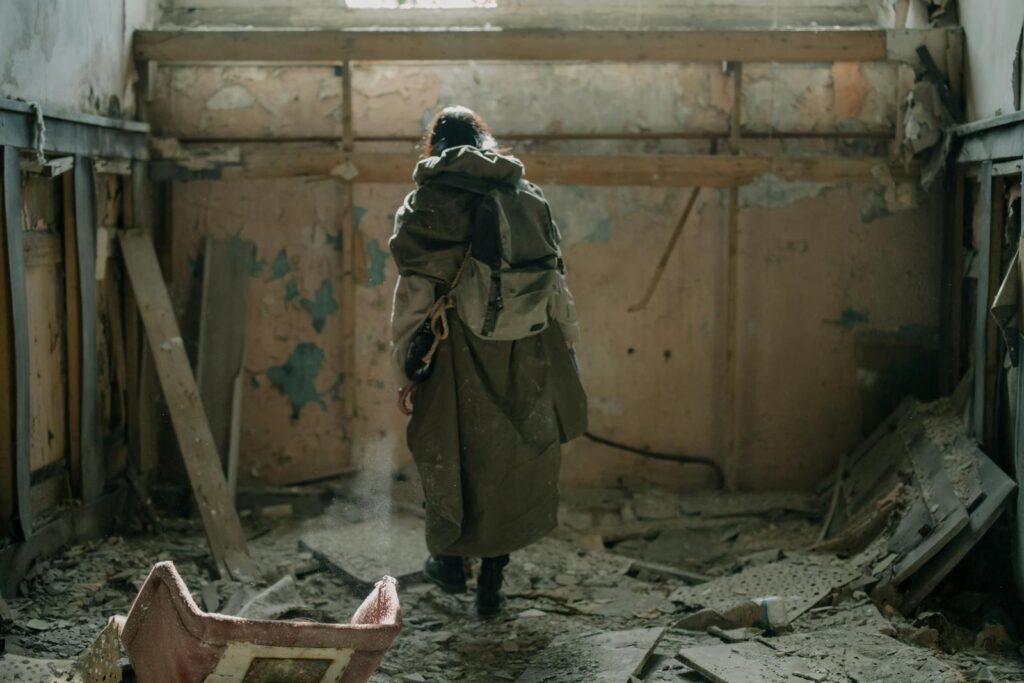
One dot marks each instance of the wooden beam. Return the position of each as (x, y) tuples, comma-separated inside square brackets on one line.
[(300, 159), (92, 462), (993, 355), (220, 519), (66, 133), (73, 338), (338, 45), (951, 293), (349, 257), (983, 232), (222, 332), (17, 336), (731, 452)]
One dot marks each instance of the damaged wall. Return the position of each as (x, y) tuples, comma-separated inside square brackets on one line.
[(606, 14), (992, 69), (72, 55), (819, 264)]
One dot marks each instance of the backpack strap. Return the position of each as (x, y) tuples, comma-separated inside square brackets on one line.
[(438, 316)]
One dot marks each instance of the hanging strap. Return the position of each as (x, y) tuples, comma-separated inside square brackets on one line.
[(438, 315)]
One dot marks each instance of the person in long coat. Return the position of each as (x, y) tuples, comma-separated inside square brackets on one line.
[(489, 415)]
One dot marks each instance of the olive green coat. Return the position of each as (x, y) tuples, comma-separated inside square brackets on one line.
[(490, 420)]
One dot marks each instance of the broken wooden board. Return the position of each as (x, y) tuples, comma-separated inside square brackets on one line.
[(389, 545), (948, 516), (222, 328), (611, 657), (996, 489), (802, 582), (836, 655), (220, 519), (867, 474)]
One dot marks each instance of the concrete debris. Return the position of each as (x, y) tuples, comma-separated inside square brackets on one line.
[(839, 655), (914, 499), (610, 657), (279, 601), (571, 611), (392, 545), (925, 122), (801, 582)]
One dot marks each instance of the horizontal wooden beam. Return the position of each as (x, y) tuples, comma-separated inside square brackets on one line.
[(335, 45), (288, 159), (84, 134)]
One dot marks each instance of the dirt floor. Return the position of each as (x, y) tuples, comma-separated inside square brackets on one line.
[(623, 566)]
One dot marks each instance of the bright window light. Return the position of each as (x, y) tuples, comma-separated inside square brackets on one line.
[(420, 4)]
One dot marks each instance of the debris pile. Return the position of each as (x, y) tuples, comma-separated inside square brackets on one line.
[(636, 584)]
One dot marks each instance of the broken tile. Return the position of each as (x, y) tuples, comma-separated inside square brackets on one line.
[(802, 581), (610, 657), (836, 655), (365, 551)]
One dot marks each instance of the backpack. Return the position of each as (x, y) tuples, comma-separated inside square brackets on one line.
[(511, 284)]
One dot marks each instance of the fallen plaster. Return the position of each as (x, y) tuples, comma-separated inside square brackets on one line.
[(567, 607)]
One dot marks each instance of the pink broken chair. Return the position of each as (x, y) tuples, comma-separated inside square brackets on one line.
[(170, 640)]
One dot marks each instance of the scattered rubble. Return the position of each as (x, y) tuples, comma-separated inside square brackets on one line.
[(641, 584)]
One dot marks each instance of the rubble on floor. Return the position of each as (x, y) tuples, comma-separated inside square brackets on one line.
[(639, 584)]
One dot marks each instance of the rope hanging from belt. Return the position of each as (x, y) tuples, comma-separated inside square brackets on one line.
[(438, 315)]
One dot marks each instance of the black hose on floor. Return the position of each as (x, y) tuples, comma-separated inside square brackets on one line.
[(671, 457)]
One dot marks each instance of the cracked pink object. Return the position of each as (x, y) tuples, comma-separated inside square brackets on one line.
[(170, 640)]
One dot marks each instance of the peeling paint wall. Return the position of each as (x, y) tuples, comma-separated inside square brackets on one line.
[(992, 56), (820, 265), (72, 55)]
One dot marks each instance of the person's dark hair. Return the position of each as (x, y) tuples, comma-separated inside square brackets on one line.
[(454, 127)]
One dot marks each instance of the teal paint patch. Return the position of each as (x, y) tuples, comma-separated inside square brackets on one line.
[(280, 267), (291, 290), (245, 250), (850, 318), (357, 216), (334, 239), (296, 378), (321, 305), (335, 391), (376, 260)]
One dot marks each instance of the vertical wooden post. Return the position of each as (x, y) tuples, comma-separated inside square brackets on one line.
[(142, 385), (93, 471), (73, 313), (993, 357), (735, 127), (951, 286), (17, 337), (8, 476), (348, 231), (731, 422), (983, 249)]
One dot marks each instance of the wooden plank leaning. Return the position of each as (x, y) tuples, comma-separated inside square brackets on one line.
[(195, 440)]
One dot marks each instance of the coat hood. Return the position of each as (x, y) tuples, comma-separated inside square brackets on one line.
[(471, 161)]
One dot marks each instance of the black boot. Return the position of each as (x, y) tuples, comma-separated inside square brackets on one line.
[(488, 587), (447, 572)]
